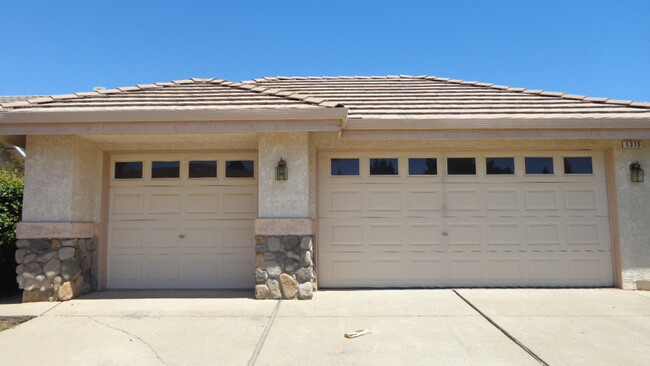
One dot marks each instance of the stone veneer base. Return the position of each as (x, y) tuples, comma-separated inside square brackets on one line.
[(56, 269), (284, 267)]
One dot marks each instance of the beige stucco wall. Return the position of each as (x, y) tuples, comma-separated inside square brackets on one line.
[(634, 214), (62, 179), (288, 198)]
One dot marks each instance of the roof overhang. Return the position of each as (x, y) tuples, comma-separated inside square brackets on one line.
[(640, 121), (527, 127), (24, 122)]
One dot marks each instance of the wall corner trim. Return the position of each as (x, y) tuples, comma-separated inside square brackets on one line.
[(59, 230), (284, 226)]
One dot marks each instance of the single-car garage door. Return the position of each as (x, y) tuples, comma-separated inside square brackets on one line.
[(181, 221), (463, 219)]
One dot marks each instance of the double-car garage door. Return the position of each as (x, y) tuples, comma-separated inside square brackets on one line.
[(463, 219), (181, 221)]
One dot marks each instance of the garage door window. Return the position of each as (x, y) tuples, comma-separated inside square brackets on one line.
[(461, 166), (165, 169), (423, 166), (128, 170), (344, 167), (240, 169), (578, 165), (202, 169), (539, 165), (500, 166), (384, 167)]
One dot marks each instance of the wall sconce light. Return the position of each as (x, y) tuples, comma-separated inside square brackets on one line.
[(281, 171), (636, 173)]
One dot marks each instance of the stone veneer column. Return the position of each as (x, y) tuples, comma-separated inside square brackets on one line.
[(284, 264), (56, 261), (284, 255)]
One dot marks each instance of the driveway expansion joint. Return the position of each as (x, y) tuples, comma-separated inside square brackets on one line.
[(131, 335), (265, 333), (505, 332)]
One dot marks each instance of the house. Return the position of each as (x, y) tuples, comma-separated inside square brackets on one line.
[(281, 184)]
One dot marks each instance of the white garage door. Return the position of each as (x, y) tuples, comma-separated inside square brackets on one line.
[(181, 221), (463, 219)]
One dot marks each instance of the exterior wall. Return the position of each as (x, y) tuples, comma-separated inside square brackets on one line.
[(633, 198), (288, 198), (62, 179), (634, 215)]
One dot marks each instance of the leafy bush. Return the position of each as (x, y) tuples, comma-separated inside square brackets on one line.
[(11, 199)]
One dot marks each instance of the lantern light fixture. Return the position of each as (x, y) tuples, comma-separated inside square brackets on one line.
[(636, 173), (281, 170)]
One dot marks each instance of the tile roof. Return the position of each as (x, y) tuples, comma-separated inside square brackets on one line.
[(422, 97), (177, 95), (366, 97), (16, 98)]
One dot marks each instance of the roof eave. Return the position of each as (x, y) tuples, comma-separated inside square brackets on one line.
[(18, 122), (640, 121)]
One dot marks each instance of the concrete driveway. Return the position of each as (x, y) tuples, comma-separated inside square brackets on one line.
[(409, 327)]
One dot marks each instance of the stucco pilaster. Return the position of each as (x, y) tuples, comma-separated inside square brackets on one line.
[(62, 179), (634, 215), (288, 198)]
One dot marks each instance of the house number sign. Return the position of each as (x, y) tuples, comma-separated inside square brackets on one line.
[(632, 144)]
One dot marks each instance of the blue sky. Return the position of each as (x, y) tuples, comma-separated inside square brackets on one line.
[(596, 48)]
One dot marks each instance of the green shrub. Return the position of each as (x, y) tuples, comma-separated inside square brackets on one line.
[(11, 199)]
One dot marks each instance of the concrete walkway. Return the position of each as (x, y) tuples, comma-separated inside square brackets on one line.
[(409, 327)]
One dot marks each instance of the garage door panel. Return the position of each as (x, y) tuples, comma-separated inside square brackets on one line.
[(202, 201), (463, 200), (163, 236), (162, 273), (386, 235), (126, 235), (162, 201), (423, 235), (237, 235), (428, 200), (502, 199), (384, 200), (125, 272), (482, 230), (200, 272), (201, 234), (124, 202), (239, 203), (504, 234)]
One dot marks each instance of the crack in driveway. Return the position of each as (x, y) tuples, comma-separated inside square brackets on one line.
[(131, 335)]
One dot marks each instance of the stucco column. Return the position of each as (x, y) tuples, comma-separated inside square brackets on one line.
[(283, 250), (288, 198), (57, 248), (634, 213)]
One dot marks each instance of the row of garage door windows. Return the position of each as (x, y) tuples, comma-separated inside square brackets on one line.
[(195, 168), (350, 166), (460, 166)]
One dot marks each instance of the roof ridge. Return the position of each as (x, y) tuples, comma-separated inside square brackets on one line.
[(255, 87)]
